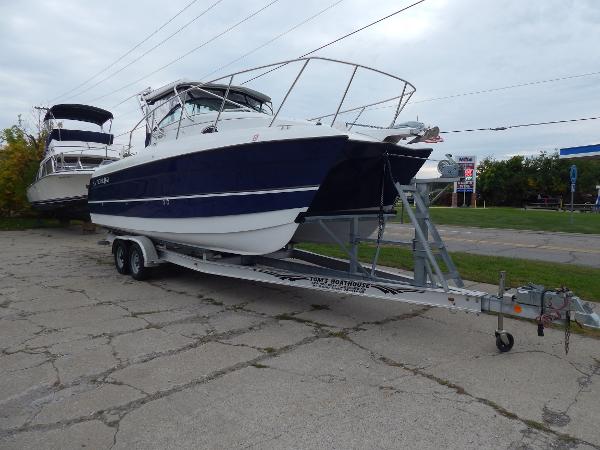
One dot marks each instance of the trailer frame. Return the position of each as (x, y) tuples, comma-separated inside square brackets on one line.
[(291, 266)]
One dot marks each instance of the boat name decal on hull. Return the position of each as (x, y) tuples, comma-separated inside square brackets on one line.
[(100, 181)]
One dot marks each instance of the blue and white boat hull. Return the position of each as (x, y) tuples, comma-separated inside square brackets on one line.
[(241, 199)]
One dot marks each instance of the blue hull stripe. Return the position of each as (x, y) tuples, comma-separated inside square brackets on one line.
[(206, 206), (255, 166)]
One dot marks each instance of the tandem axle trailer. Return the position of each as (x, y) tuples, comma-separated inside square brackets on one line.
[(136, 255)]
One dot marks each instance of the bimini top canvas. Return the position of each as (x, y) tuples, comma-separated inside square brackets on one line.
[(83, 113)]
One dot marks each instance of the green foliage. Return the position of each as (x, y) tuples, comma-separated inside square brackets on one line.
[(27, 223), (515, 181), (517, 219), (20, 155)]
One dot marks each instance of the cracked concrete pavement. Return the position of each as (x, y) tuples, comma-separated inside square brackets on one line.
[(92, 358), (568, 248)]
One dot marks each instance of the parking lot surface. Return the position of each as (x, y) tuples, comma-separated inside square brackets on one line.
[(90, 358)]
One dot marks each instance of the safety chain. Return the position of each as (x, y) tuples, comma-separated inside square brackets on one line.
[(380, 216), (546, 318)]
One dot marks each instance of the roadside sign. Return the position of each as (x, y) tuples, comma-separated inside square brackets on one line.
[(573, 174), (467, 183), (572, 187)]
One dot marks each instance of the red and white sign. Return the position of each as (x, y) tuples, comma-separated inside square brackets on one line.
[(469, 166)]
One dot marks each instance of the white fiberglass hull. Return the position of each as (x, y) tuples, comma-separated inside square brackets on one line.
[(64, 193), (246, 234)]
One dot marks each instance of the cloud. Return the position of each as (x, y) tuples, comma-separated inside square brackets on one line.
[(443, 47)]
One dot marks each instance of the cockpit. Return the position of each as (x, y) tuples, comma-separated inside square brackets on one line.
[(164, 105), (197, 102)]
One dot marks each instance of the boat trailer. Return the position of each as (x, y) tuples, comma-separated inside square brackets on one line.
[(429, 286)]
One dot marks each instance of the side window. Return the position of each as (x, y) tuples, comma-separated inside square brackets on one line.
[(199, 106), (236, 97), (173, 116), (48, 168)]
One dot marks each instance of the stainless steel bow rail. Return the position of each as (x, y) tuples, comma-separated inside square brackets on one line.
[(429, 286), (403, 95)]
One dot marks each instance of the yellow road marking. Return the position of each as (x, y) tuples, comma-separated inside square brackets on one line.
[(518, 245)]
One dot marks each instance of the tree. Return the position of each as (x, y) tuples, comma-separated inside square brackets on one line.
[(517, 180), (20, 155)]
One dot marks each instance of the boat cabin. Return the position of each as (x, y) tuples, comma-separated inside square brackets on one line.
[(70, 150), (183, 104)]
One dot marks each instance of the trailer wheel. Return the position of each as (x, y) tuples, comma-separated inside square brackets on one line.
[(504, 341), (121, 252), (137, 264)]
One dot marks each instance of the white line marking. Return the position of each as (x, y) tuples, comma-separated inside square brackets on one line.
[(221, 194)]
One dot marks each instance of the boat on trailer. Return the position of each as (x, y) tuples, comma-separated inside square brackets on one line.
[(222, 170), (226, 187), (140, 255), (61, 186)]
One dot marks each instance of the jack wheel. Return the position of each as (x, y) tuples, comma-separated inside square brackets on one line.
[(121, 252), (504, 341), (137, 265)]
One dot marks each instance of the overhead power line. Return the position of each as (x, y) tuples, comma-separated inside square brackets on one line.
[(150, 50), (289, 30), (179, 58), (512, 86), (502, 88), (298, 25), (339, 39), (112, 64), (523, 125)]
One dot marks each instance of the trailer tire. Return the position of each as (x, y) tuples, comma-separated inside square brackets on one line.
[(137, 265), (121, 253), (505, 346)]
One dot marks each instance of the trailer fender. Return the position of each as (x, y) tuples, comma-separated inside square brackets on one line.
[(151, 258)]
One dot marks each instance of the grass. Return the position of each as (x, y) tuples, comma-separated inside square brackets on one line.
[(584, 281), (515, 218), (25, 223)]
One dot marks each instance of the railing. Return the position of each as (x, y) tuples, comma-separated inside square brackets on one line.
[(406, 92), (407, 88), (90, 152)]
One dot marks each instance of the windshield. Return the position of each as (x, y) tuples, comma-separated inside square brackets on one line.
[(200, 102)]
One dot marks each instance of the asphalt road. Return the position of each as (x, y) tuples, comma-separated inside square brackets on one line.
[(90, 358), (570, 248)]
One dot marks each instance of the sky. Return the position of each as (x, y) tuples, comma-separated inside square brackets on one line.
[(443, 47)]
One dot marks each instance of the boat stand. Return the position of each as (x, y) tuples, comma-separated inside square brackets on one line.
[(429, 286)]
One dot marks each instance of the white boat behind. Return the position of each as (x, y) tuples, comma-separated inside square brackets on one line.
[(71, 156)]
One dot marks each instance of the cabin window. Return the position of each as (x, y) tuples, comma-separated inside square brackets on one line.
[(48, 167), (173, 116), (66, 163), (202, 105), (199, 102), (90, 163)]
